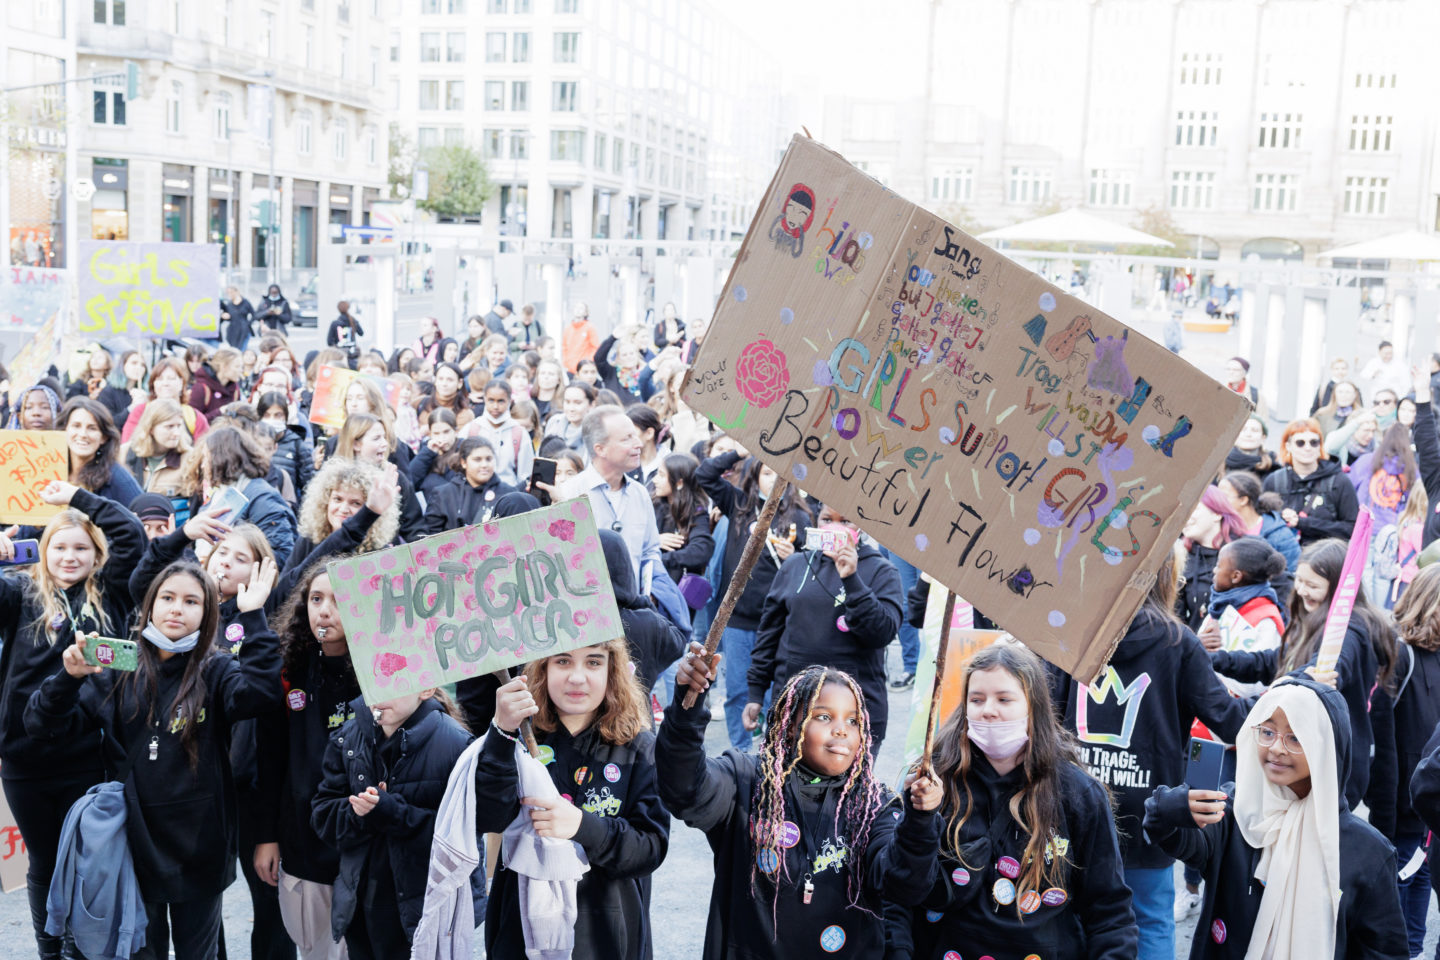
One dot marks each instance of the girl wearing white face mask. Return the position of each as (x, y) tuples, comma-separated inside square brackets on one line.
[(1028, 861)]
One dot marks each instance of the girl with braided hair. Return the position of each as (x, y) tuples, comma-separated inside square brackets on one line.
[(805, 835)]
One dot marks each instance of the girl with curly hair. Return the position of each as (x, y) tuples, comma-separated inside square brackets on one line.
[(349, 505)]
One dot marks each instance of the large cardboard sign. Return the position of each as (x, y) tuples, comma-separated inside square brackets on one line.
[(29, 296), (29, 460), (1031, 453), (149, 289), (475, 600), (327, 409)]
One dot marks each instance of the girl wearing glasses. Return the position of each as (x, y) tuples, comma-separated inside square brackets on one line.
[(1317, 498), (1282, 836)]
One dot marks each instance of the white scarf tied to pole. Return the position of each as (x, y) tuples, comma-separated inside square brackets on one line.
[(548, 868), (1298, 840)]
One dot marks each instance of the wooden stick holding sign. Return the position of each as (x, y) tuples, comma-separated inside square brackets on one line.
[(927, 768), (527, 729), (753, 546)]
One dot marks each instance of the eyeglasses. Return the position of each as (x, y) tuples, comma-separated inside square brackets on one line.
[(1288, 743), (1303, 442), (1384, 403)]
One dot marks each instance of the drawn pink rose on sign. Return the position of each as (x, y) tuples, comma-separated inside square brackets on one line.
[(761, 375), (389, 664), (563, 530)]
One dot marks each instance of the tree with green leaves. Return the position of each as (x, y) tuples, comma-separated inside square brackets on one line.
[(459, 182), (402, 163)]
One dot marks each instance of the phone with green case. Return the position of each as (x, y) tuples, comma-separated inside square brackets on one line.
[(111, 653)]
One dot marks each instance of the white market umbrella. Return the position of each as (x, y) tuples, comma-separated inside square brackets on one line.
[(1406, 245), (1074, 226)]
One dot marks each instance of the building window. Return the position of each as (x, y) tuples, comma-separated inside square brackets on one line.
[(266, 40), (374, 66), (1029, 185), (455, 6), (1370, 133), (1192, 189), (1367, 196), (1110, 188), (1275, 192), (429, 94), (522, 6), (1368, 81), (394, 48), (309, 51), (342, 12), (427, 137), (175, 20), (455, 47), (567, 145), (519, 145), (567, 47), (226, 18), (1280, 131), (520, 95), (111, 12), (494, 95), (1200, 69), (617, 164), (220, 116), (520, 48), (495, 47), (344, 58), (952, 185), (600, 148), (490, 143), (304, 126), (109, 107), (429, 48), (342, 138), (567, 6), (372, 147), (454, 136), (455, 95), (1196, 128), (495, 6), (563, 98), (429, 6), (173, 102)]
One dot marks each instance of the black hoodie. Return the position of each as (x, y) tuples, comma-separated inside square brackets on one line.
[(295, 454), (1416, 712), (181, 820), (1357, 667), (799, 625), (28, 658), (655, 642), (1423, 792), (1325, 500), (716, 795), (460, 505), (1194, 601), (624, 831), (1087, 914), (1134, 724), (1369, 924), (1427, 458)]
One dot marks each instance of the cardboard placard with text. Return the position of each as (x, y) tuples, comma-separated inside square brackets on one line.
[(29, 460), (14, 858), (1035, 455), (327, 409), (471, 601), (149, 290)]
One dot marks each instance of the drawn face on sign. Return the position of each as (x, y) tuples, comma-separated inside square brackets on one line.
[(799, 210)]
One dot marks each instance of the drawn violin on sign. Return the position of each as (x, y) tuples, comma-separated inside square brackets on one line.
[(978, 421)]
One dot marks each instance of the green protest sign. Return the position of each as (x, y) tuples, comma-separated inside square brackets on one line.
[(475, 600)]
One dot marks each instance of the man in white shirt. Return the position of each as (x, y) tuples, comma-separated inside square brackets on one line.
[(620, 503), (1385, 371)]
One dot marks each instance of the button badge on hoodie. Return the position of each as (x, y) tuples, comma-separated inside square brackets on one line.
[(295, 699), (832, 938), (1004, 892), (1008, 867)]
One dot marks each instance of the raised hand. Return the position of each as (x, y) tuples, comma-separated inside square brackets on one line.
[(253, 594)]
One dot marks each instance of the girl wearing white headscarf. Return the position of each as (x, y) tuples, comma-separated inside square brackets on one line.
[(1291, 873)]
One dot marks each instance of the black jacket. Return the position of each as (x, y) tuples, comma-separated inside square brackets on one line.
[(1427, 458), (295, 454), (1423, 791), (624, 831), (699, 547), (1238, 459), (414, 763), (1134, 724), (336, 334), (349, 537), (460, 505), (1194, 600), (112, 398), (181, 822), (1415, 713), (1325, 500), (716, 795), (799, 625), (279, 319), (1093, 919), (237, 328), (1369, 925), (424, 478), (1357, 667), (28, 658), (725, 495), (655, 642)]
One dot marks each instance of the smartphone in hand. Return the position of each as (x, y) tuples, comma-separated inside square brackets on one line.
[(1203, 769), (112, 653), (543, 472), (26, 551)]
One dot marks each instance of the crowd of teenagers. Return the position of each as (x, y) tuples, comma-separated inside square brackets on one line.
[(201, 510)]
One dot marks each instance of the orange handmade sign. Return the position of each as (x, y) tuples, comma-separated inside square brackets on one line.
[(29, 460), (1029, 452), (332, 385)]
